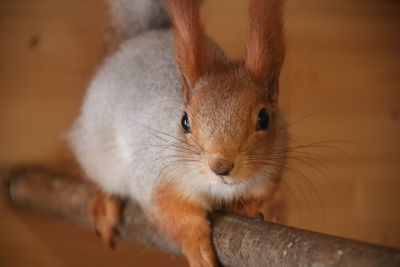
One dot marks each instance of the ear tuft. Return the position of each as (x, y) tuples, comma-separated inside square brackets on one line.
[(190, 47), (265, 44)]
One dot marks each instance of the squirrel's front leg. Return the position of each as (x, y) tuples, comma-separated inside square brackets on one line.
[(186, 222), (271, 207), (248, 207)]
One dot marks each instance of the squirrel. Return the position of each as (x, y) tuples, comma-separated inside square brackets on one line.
[(170, 122)]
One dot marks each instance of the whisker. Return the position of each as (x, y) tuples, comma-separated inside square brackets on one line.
[(285, 127), (299, 182), (174, 144), (293, 196), (169, 135), (314, 193), (173, 148)]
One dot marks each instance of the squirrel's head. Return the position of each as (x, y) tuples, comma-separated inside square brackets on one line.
[(230, 117)]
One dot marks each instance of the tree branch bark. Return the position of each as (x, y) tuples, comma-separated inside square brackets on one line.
[(238, 241)]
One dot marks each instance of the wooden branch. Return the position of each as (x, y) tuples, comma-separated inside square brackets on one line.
[(238, 241)]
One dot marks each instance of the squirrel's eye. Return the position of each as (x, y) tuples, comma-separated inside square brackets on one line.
[(185, 123), (262, 120)]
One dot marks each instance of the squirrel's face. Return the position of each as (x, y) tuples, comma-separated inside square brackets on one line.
[(232, 125), (230, 119)]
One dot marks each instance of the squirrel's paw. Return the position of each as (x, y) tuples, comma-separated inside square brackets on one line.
[(199, 252), (249, 208), (105, 215)]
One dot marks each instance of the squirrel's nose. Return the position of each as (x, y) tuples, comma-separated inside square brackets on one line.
[(221, 166)]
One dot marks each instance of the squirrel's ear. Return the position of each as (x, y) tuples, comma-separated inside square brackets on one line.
[(266, 45), (190, 46)]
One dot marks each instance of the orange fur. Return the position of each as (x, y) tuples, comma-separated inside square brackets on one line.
[(265, 43), (223, 115), (185, 221), (190, 47)]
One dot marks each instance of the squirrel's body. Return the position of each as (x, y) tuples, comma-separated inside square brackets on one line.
[(130, 114), (135, 93), (172, 123)]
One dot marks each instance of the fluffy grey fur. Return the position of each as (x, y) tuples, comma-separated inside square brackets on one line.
[(136, 16), (134, 97)]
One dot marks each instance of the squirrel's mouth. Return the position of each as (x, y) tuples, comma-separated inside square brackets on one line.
[(226, 180)]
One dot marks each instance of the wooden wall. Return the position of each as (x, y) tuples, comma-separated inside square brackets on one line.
[(340, 86)]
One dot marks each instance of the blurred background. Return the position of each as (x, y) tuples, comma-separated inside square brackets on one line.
[(340, 90)]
